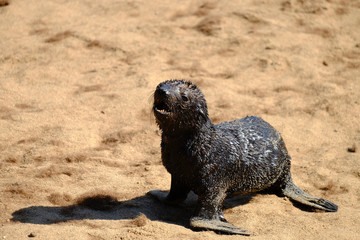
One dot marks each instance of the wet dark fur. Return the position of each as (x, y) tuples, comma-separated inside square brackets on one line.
[(213, 160)]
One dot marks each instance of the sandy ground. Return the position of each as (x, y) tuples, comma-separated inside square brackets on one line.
[(80, 148)]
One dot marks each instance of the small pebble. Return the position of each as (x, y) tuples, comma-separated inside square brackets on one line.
[(352, 149), (32, 234)]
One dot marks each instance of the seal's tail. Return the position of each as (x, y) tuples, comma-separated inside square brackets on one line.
[(294, 192)]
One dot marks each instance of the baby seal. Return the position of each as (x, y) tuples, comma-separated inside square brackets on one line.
[(214, 160)]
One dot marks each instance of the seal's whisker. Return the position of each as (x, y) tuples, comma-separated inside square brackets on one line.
[(151, 102), (151, 98)]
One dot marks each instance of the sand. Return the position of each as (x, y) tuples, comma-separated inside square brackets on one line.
[(80, 148)]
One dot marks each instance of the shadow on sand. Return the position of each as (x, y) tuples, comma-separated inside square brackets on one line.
[(106, 207)]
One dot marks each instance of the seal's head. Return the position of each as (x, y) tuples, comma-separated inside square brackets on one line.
[(179, 106)]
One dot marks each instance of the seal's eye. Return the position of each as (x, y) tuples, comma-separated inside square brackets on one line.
[(184, 98)]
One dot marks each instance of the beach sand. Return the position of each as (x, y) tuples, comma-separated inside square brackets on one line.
[(79, 145)]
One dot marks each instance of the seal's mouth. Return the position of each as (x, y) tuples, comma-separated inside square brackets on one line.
[(162, 108)]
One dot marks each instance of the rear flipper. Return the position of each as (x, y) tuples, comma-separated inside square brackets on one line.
[(295, 193)]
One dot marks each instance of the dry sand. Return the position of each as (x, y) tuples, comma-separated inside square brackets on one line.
[(76, 129)]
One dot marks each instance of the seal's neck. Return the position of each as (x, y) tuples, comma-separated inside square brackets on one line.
[(182, 133), (207, 125)]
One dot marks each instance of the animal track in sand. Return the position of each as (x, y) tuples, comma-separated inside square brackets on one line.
[(209, 26), (119, 137), (200, 11), (59, 199), (21, 190), (90, 88), (4, 3), (251, 18), (55, 170), (59, 36)]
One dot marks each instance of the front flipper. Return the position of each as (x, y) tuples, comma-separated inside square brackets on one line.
[(158, 194), (165, 197), (178, 193), (216, 225), (209, 216)]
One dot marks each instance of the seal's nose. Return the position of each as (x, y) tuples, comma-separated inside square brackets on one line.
[(163, 89)]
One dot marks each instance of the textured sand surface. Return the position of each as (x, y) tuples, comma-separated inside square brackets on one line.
[(80, 148)]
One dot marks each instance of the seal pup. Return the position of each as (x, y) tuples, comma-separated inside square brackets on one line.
[(214, 160)]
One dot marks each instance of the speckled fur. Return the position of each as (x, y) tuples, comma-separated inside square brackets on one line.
[(213, 160)]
